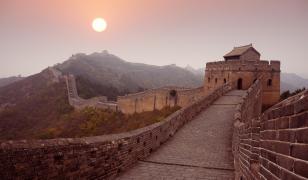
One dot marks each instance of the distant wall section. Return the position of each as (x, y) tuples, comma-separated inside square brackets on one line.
[(156, 99)]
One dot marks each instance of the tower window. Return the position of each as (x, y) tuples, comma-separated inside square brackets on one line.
[(208, 79), (240, 84), (269, 82), (225, 81), (216, 80)]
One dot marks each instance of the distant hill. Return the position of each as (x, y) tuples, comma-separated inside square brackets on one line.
[(32, 104), (9, 80), (198, 72), (291, 82), (103, 71)]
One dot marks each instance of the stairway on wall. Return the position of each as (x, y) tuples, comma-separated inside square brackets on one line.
[(72, 89), (201, 149), (79, 103)]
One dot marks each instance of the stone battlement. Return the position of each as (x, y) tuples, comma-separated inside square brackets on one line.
[(151, 91), (261, 65), (156, 99)]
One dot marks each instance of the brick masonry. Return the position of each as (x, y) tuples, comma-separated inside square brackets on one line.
[(272, 145), (101, 157)]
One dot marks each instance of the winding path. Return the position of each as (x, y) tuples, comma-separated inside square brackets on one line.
[(200, 150)]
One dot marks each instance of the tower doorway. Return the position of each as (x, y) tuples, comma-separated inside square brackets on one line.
[(240, 83)]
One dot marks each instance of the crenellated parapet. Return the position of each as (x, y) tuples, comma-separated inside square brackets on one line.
[(156, 99), (257, 66)]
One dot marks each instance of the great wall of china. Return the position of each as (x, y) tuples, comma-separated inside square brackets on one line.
[(223, 134), (149, 100), (79, 103)]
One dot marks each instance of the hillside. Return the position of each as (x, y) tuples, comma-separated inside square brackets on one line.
[(37, 108), (31, 104), (106, 71), (292, 82), (9, 80)]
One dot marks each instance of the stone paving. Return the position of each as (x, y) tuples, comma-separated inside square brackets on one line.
[(199, 150)]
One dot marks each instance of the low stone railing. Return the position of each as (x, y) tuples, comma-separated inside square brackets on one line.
[(246, 133), (97, 157), (272, 145)]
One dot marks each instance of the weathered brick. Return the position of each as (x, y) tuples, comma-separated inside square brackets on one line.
[(301, 168), (255, 136), (255, 143), (255, 123), (287, 110), (282, 148), (262, 177), (268, 135), (268, 145), (286, 162), (267, 174), (269, 125), (255, 150), (282, 123), (286, 135), (299, 120), (301, 104), (276, 113), (301, 135), (264, 162), (285, 174), (300, 151), (264, 117), (268, 155), (273, 168)]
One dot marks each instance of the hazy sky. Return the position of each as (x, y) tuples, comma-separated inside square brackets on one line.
[(35, 34)]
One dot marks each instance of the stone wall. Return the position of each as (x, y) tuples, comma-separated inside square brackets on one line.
[(100, 157), (156, 99), (284, 140), (246, 133), (80, 103), (149, 100), (273, 145)]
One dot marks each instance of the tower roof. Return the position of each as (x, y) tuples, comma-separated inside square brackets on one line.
[(237, 51)]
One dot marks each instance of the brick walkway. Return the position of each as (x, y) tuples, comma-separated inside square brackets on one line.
[(200, 150)]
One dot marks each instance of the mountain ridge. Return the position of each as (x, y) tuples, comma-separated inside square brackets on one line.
[(104, 69)]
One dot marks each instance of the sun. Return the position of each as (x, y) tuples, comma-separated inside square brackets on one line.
[(99, 24)]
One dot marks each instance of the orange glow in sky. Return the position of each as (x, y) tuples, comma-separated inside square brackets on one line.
[(35, 34)]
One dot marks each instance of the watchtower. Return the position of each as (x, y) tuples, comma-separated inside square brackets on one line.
[(242, 66)]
